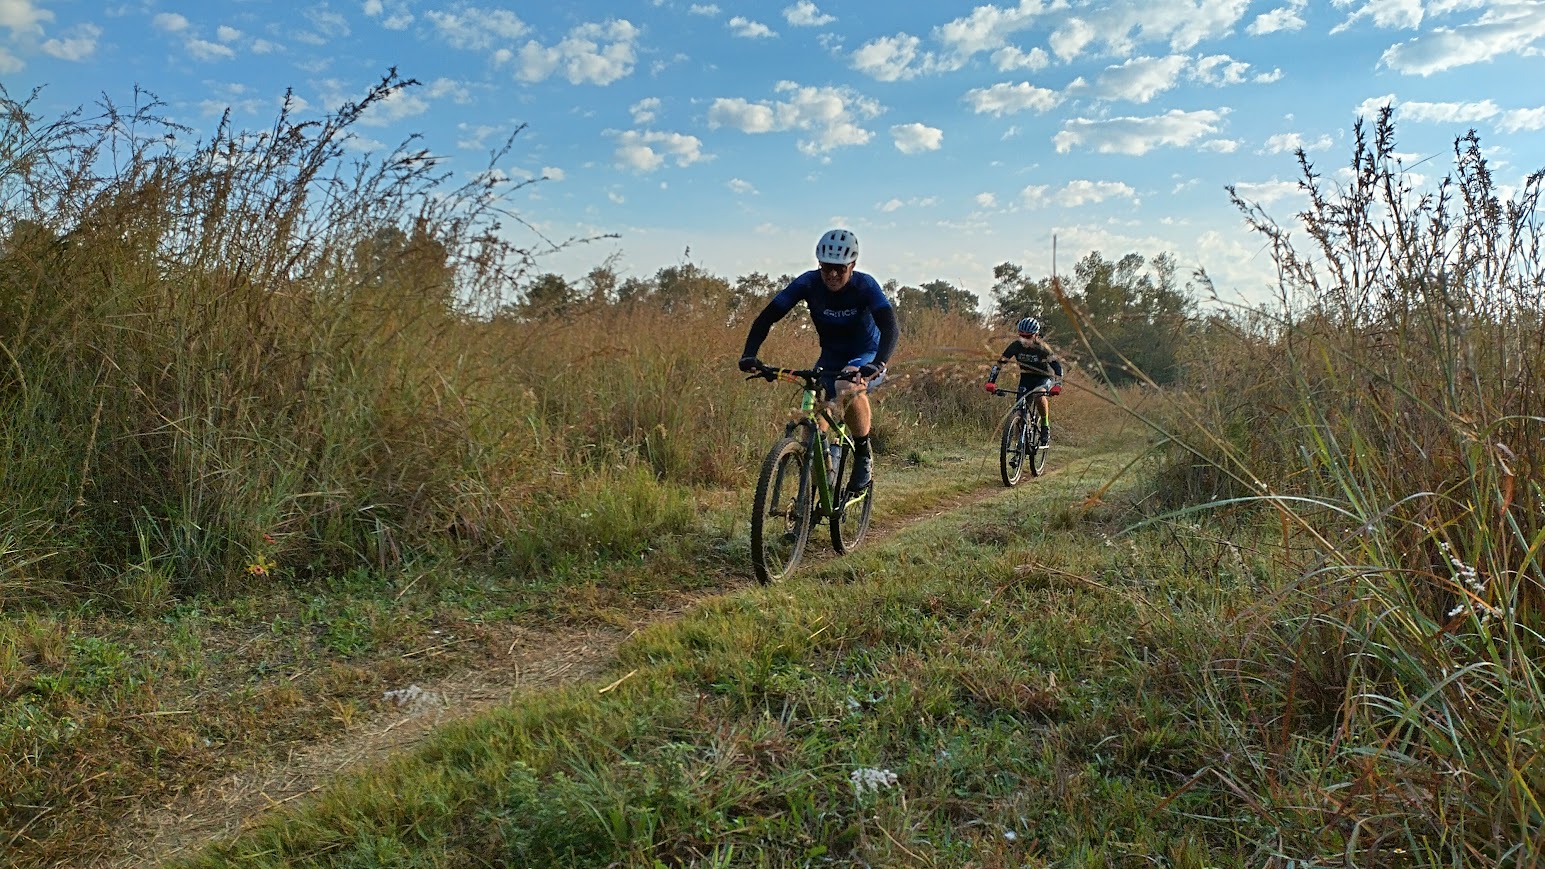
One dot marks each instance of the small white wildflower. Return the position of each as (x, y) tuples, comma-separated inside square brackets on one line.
[(866, 779), (1010, 835)]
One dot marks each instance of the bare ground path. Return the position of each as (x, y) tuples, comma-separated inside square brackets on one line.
[(535, 659)]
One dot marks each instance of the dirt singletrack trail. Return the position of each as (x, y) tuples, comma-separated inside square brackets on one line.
[(535, 659)]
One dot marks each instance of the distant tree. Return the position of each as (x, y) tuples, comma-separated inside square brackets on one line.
[(1015, 296), (1139, 318), (751, 292), (689, 286), (635, 291), (393, 263), (938, 295), (600, 284), (548, 296), (1134, 315)]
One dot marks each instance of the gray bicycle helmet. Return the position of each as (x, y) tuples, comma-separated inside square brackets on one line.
[(837, 247)]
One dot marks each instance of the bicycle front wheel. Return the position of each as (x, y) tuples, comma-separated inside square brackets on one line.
[(851, 519), (1011, 456), (780, 511), (1036, 450)]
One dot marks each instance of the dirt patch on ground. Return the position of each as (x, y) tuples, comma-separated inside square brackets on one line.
[(534, 659)]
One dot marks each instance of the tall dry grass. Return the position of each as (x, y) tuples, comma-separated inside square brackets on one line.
[(264, 355), (1388, 414)]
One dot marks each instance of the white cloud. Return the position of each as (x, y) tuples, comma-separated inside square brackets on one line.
[(328, 25), (1071, 38), (1220, 146), (1035, 196), (986, 29), (644, 111), (1268, 193), (1370, 107), (888, 58), (1122, 27), (745, 28), (442, 88), (1284, 18), (1141, 78), (397, 17), (170, 22), (744, 188), (1011, 58), (1007, 99), (593, 53), (397, 105), (10, 62), (646, 151), (830, 115), (889, 206), (227, 34), (1447, 113), (79, 43), (1385, 14), (986, 200), (1081, 192), (1508, 27), (474, 137), (203, 49), (1287, 143), (1220, 70), (705, 9), (1137, 135), (805, 14), (23, 17), (553, 173), (477, 29), (915, 138), (1519, 120)]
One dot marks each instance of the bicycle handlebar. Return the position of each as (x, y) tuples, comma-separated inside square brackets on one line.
[(1007, 393), (804, 376)]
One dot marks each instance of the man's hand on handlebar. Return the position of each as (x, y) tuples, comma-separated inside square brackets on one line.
[(751, 364)]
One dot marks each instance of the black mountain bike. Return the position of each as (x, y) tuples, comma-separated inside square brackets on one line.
[(1021, 444), (804, 482)]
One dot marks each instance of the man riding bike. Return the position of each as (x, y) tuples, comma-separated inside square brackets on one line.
[(1038, 364), (855, 325)]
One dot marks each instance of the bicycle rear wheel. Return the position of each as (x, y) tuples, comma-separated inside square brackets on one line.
[(1037, 451), (1011, 455), (851, 519), (780, 511)]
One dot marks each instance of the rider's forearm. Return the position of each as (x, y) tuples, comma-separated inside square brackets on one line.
[(885, 320), (759, 329)]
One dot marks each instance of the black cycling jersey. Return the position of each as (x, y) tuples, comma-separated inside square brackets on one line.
[(1035, 358)]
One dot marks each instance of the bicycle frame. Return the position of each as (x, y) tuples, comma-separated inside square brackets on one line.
[(1021, 442), (813, 410)]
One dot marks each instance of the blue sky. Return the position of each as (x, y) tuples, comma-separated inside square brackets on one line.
[(949, 136)]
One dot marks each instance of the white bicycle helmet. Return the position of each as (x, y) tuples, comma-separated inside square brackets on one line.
[(837, 247), (1029, 326)]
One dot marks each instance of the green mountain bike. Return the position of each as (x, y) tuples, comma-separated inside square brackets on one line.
[(804, 482), (1021, 444)]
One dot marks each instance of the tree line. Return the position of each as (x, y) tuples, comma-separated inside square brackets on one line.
[(1125, 320)]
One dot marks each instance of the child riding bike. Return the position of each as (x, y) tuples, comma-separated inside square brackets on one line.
[(1038, 365)]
